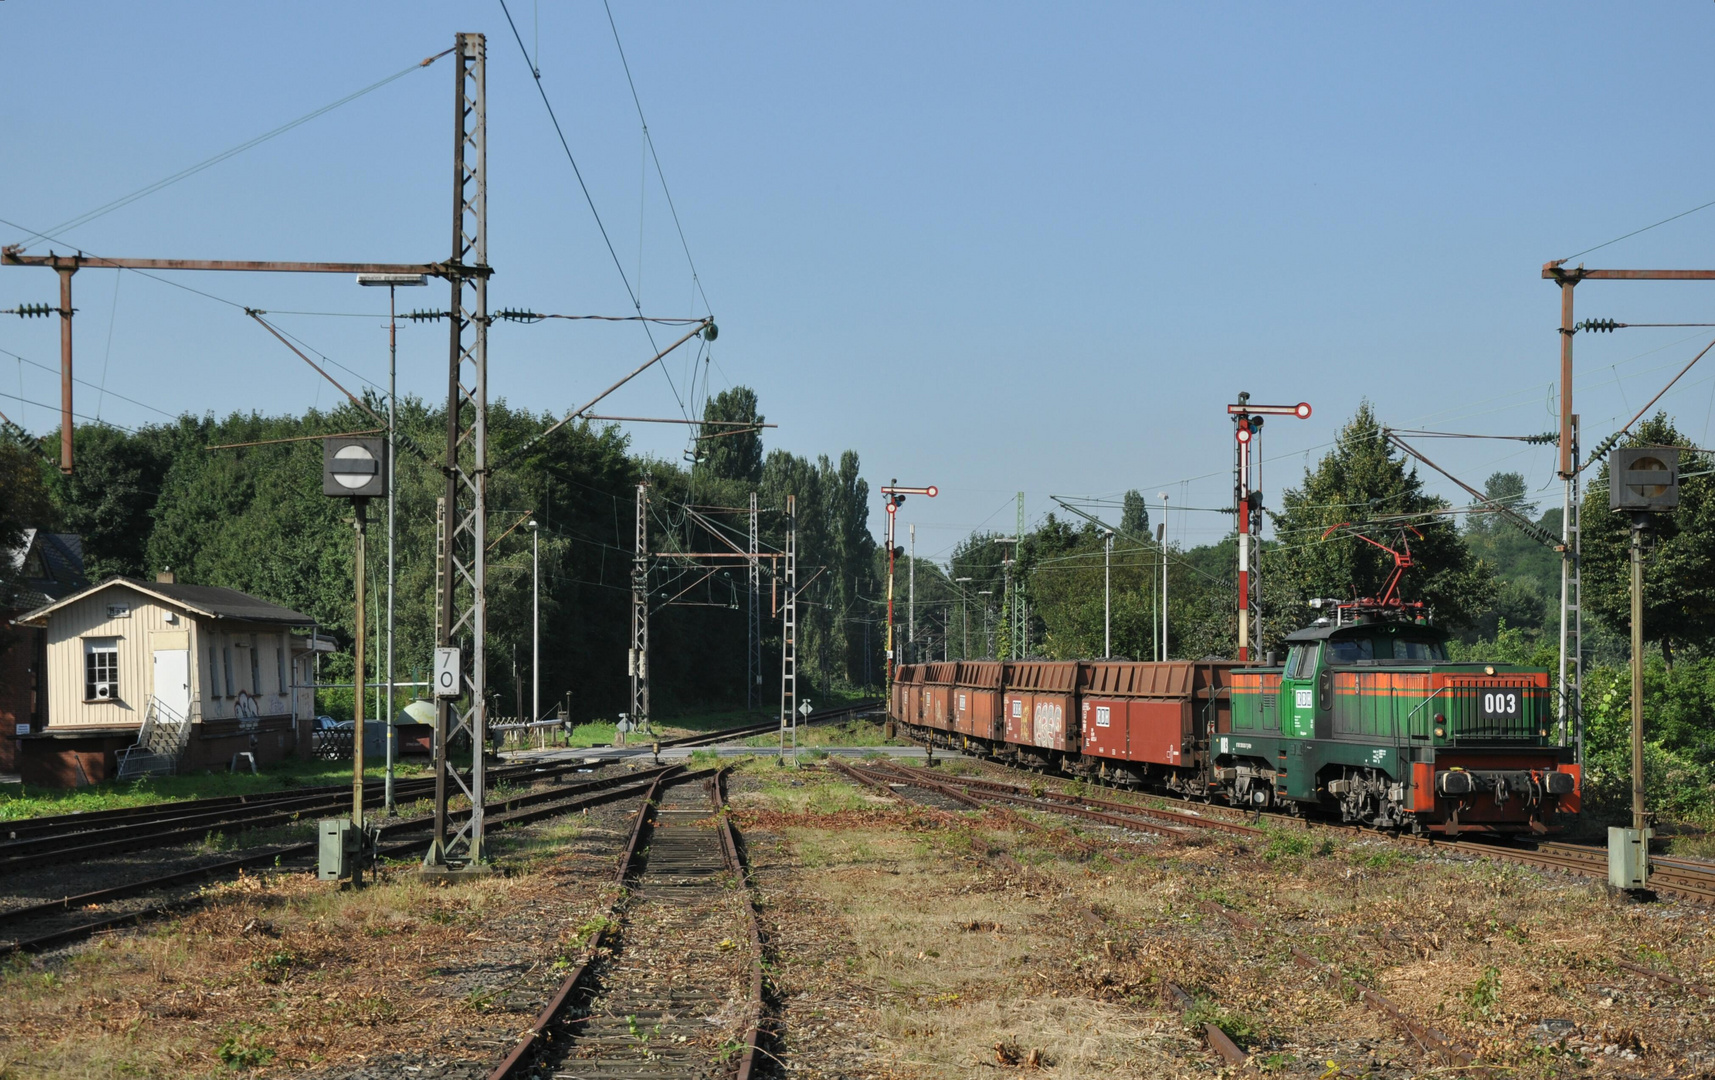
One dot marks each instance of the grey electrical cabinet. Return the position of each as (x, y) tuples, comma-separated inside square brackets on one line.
[(336, 850), (1644, 479), (1628, 857)]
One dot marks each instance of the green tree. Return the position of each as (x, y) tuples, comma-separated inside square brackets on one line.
[(1363, 483), (727, 452), (1679, 569), (1134, 515)]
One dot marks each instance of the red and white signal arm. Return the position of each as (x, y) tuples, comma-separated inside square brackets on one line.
[(1300, 410), (930, 491)]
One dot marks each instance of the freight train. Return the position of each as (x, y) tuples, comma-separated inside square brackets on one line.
[(1366, 719)]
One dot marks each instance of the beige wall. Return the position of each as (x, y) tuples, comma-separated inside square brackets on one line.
[(68, 630), (137, 636)]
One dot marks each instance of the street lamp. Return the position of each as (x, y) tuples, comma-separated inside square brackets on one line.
[(393, 283), (964, 617), (535, 622)]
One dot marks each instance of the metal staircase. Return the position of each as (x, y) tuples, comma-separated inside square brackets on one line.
[(160, 743)]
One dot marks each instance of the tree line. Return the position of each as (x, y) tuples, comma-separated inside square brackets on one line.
[(183, 496)]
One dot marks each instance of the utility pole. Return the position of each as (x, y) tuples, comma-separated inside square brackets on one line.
[(357, 695), (1571, 660), (464, 550), (639, 655), (753, 680), (789, 628), (1247, 504)]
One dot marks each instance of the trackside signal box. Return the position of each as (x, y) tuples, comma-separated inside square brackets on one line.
[(337, 849)]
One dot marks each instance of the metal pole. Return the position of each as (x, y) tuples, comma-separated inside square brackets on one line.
[(464, 545), (65, 368), (1163, 538), (639, 656), (964, 617), (1242, 506), (892, 515), (392, 408), (535, 623), (789, 626), (911, 599), (1639, 817), (1107, 594), (753, 675), (357, 678)]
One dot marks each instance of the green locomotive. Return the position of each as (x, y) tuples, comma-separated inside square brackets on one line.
[(1368, 717)]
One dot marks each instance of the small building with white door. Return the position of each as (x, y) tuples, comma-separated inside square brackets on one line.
[(219, 671)]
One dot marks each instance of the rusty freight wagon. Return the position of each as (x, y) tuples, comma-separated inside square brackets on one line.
[(978, 709), (1153, 720)]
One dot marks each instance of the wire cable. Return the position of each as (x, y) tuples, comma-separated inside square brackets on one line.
[(1634, 232), (183, 174)]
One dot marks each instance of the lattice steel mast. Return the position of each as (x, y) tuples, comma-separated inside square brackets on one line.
[(638, 660), (753, 673), (463, 556)]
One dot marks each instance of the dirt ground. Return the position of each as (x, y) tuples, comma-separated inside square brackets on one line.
[(905, 948), (911, 941)]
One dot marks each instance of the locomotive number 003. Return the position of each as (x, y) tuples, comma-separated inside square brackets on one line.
[(1500, 703)]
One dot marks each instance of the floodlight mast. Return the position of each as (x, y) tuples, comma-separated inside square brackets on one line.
[(1247, 504)]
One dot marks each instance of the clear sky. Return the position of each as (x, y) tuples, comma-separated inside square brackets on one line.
[(990, 247)]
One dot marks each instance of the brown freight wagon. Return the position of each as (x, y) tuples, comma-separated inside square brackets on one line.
[(937, 696), (1040, 702), (977, 705), (907, 693), (1150, 713)]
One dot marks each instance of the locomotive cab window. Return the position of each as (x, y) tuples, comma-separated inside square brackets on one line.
[(1351, 651), (1301, 662)]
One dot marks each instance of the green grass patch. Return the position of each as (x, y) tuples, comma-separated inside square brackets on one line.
[(19, 801)]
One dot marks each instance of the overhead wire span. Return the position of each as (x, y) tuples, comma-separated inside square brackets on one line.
[(637, 305), (1530, 528), (85, 382), (1635, 232), (573, 415), (295, 438), (1608, 443), (186, 173), (355, 400), (80, 416)]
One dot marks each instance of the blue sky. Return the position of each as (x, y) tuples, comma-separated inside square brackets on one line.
[(990, 247)]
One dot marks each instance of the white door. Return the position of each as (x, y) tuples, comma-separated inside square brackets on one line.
[(173, 680)]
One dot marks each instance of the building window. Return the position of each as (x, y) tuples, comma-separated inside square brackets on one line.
[(226, 654), (255, 672), (280, 668), (100, 670), (213, 672)]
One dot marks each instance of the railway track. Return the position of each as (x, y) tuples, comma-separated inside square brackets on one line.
[(56, 922), (1686, 879), (672, 986), (769, 727), (37, 842)]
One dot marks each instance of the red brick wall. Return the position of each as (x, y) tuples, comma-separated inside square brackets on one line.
[(19, 661)]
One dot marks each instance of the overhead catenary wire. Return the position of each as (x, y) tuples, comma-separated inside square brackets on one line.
[(85, 382), (186, 173), (536, 76)]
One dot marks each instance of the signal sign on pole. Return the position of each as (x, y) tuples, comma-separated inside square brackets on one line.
[(1247, 426), (446, 672)]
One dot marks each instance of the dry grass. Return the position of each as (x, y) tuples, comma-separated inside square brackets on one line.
[(279, 973), (1518, 965)]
